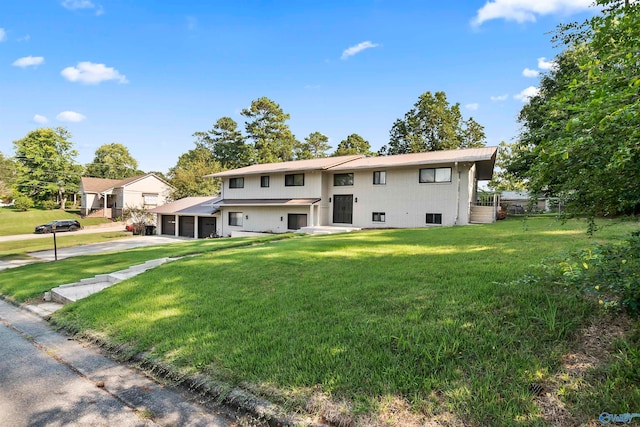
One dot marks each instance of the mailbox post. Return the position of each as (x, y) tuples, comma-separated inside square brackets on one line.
[(55, 245)]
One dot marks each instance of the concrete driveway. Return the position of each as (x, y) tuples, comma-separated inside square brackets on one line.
[(112, 246)]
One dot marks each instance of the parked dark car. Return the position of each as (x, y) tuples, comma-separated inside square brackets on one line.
[(61, 225)]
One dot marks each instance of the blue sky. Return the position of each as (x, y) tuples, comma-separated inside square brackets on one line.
[(148, 74)]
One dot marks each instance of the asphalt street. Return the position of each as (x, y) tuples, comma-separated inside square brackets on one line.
[(47, 379)]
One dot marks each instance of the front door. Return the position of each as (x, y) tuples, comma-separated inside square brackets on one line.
[(343, 209)]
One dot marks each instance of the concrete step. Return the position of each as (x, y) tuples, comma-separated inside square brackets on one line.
[(72, 292), (65, 295)]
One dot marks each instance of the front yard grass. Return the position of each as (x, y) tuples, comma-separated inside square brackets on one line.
[(392, 327), (31, 281), (13, 221)]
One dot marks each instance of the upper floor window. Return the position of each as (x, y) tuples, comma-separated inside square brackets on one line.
[(435, 175), (264, 181), (294, 180), (150, 200), (236, 182), (341, 179), (379, 177)]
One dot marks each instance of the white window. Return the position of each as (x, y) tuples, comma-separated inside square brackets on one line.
[(150, 199), (379, 177)]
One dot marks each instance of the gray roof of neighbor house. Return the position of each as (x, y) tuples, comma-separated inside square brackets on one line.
[(296, 165), (98, 185), (484, 157), (189, 206)]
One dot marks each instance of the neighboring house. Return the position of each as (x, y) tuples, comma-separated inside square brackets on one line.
[(401, 191), (188, 217), (107, 198), (519, 202)]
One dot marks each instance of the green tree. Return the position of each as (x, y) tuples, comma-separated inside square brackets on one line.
[(46, 165), (267, 128), (7, 176), (187, 177), (580, 135), (112, 161), (433, 124), (314, 146), (226, 144), (354, 144), (503, 179)]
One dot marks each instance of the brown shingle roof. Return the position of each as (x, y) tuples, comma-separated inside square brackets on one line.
[(98, 185), (485, 158), (296, 165), (429, 157)]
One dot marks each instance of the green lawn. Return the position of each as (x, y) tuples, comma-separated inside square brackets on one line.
[(393, 325), (31, 281), (15, 222)]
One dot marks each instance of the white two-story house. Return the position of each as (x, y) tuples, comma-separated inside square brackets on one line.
[(401, 191)]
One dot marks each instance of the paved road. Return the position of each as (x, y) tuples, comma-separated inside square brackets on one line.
[(49, 380)]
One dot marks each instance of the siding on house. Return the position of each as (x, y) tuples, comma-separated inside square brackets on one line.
[(401, 202)]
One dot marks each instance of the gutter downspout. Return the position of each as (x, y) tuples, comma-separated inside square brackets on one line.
[(457, 196)]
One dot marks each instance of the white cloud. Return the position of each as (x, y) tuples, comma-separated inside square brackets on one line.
[(527, 72), (526, 94), (3, 35), (25, 38), (474, 106), (91, 74), (82, 4), (70, 116), (500, 98), (527, 10), (353, 50), (40, 119), (543, 64), (28, 61)]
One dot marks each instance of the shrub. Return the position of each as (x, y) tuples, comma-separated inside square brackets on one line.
[(23, 203), (49, 205), (609, 272)]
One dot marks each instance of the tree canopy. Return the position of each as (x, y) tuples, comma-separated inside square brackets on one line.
[(266, 127), (503, 179), (7, 176), (354, 144), (187, 177), (314, 146), (226, 144), (580, 135), (112, 161), (46, 165), (431, 125)]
